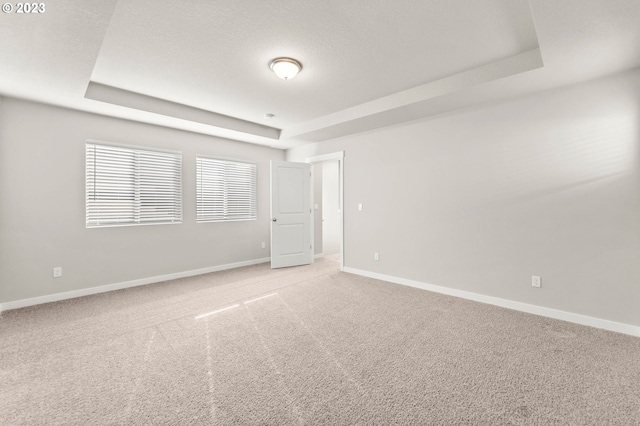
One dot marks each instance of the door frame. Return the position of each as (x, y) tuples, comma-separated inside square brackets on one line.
[(319, 159)]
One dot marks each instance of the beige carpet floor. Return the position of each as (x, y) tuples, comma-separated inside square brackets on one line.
[(305, 346)]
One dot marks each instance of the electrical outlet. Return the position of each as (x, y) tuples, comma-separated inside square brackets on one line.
[(376, 256), (359, 207), (536, 281), (264, 245), (57, 272)]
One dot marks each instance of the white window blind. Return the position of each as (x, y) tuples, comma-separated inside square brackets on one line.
[(132, 186), (225, 190)]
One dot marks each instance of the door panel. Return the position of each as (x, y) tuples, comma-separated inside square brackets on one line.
[(292, 238), (291, 189), (290, 214)]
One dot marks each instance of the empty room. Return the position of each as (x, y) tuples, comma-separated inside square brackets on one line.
[(297, 212)]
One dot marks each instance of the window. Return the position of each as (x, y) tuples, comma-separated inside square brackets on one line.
[(132, 186), (225, 190)]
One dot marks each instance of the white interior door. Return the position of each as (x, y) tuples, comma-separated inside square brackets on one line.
[(290, 214)]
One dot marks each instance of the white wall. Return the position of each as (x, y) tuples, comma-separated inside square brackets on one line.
[(42, 194), (330, 207), (480, 200)]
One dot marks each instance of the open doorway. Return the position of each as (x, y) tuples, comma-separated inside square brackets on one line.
[(327, 190), (331, 211)]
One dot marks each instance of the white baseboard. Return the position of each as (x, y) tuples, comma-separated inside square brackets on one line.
[(505, 303), (318, 256), (118, 286)]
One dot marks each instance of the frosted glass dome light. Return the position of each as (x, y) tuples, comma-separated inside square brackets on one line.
[(285, 68)]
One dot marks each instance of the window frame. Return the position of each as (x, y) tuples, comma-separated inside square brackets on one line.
[(138, 193), (254, 189)]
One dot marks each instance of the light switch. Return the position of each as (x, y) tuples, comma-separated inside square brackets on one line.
[(359, 206), (315, 206)]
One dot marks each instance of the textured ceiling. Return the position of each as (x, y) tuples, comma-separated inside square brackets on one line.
[(216, 58), (202, 65)]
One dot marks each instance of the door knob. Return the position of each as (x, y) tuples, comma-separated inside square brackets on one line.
[(274, 219)]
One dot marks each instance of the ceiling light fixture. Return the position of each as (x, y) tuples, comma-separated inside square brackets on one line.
[(285, 68)]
